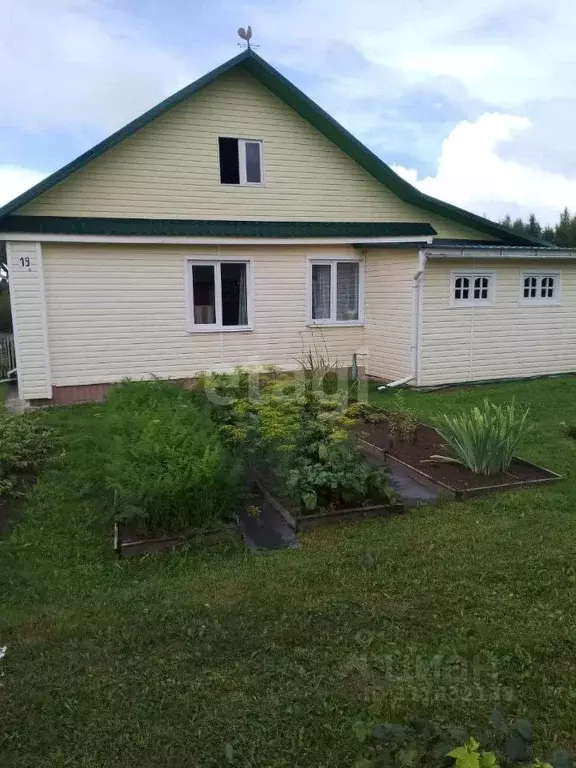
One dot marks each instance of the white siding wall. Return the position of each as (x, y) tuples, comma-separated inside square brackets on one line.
[(170, 169), (499, 341), (120, 311), (389, 296), (29, 319)]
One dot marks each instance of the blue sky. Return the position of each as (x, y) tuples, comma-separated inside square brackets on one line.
[(473, 102)]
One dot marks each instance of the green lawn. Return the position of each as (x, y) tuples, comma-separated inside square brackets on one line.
[(445, 612)]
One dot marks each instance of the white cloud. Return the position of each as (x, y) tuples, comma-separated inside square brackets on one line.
[(79, 64), (14, 180), (473, 175)]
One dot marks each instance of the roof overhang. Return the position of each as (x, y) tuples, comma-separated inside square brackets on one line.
[(203, 232), (485, 253)]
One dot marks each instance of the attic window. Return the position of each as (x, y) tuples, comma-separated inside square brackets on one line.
[(240, 161)]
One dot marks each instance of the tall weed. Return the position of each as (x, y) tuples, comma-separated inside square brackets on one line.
[(166, 464)]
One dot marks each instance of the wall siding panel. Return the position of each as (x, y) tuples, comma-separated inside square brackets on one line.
[(25, 266), (169, 169), (389, 292), (505, 340), (120, 311)]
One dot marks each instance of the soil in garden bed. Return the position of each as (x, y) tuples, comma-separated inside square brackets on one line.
[(427, 442)]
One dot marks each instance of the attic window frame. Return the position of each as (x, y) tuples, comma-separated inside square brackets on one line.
[(243, 182)]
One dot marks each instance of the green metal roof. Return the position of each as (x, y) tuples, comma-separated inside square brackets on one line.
[(249, 61), (73, 225)]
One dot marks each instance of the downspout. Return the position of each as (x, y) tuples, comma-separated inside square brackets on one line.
[(416, 323)]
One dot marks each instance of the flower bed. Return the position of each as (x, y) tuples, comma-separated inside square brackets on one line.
[(449, 479), (341, 514), (299, 441), (168, 476), (129, 541)]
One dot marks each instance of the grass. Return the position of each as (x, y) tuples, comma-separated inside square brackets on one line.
[(445, 612)]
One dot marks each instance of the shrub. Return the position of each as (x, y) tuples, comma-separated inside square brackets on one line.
[(25, 445), (484, 439), (166, 463), (422, 744), (303, 438)]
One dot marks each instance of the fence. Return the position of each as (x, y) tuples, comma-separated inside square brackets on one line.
[(7, 356)]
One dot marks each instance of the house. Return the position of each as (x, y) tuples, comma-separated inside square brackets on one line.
[(237, 224)]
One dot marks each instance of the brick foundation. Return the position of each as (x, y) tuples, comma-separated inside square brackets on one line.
[(95, 393), (80, 393)]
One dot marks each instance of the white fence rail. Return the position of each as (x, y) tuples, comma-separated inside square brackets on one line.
[(7, 356)]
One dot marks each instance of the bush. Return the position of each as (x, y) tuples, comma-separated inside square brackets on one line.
[(166, 464), (484, 439), (25, 445), (422, 744), (302, 437)]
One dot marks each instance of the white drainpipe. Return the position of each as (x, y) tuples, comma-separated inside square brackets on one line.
[(416, 322)]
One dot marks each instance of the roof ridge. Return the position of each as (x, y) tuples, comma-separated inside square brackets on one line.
[(268, 76)]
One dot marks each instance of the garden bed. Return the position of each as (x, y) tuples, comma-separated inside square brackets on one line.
[(451, 480), (339, 514), (131, 541)]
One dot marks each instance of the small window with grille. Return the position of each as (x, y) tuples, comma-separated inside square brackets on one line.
[(540, 288), (471, 289)]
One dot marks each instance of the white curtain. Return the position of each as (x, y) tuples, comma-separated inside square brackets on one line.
[(347, 291), (321, 291), (242, 299)]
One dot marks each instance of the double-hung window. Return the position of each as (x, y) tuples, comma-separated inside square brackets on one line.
[(540, 288), (472, 289), (219, 295), (240, 161), (335, 292)]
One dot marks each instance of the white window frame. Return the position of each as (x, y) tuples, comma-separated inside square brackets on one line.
[(472, 302), (555, 301), (217, 327), (333, 297), (242, 162)]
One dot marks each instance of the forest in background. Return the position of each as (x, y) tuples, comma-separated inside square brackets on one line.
[(563, 234)]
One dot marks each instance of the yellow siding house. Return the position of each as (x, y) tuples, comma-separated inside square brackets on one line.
[(237, 224)]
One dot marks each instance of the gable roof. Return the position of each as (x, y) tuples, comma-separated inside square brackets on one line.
[(313, 114)]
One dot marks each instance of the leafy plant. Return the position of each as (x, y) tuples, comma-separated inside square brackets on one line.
[(166, 466), (302, 436), (402, 421), (484, 439), (25, 445), (423, 744)]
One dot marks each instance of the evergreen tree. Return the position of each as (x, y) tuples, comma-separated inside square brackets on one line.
[(534, 227), (562, 236)]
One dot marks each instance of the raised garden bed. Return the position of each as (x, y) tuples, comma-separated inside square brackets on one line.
[(341, 514), (450, 480), (131, 541)]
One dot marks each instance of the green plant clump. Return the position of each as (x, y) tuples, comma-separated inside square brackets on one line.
[(423, 744), (166, 465), (26, 442), (484, 439), (302, 437)]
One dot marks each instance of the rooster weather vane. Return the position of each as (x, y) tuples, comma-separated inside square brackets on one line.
[(246, 34)]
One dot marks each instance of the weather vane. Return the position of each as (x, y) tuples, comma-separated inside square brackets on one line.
[(246, 34)]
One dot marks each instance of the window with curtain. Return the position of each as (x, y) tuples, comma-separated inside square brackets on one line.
[(219, 295), (335, 291)]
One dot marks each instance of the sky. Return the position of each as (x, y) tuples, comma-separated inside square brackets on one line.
[(473, 102)]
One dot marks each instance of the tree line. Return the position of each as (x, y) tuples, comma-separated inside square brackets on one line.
[(562, 234)]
